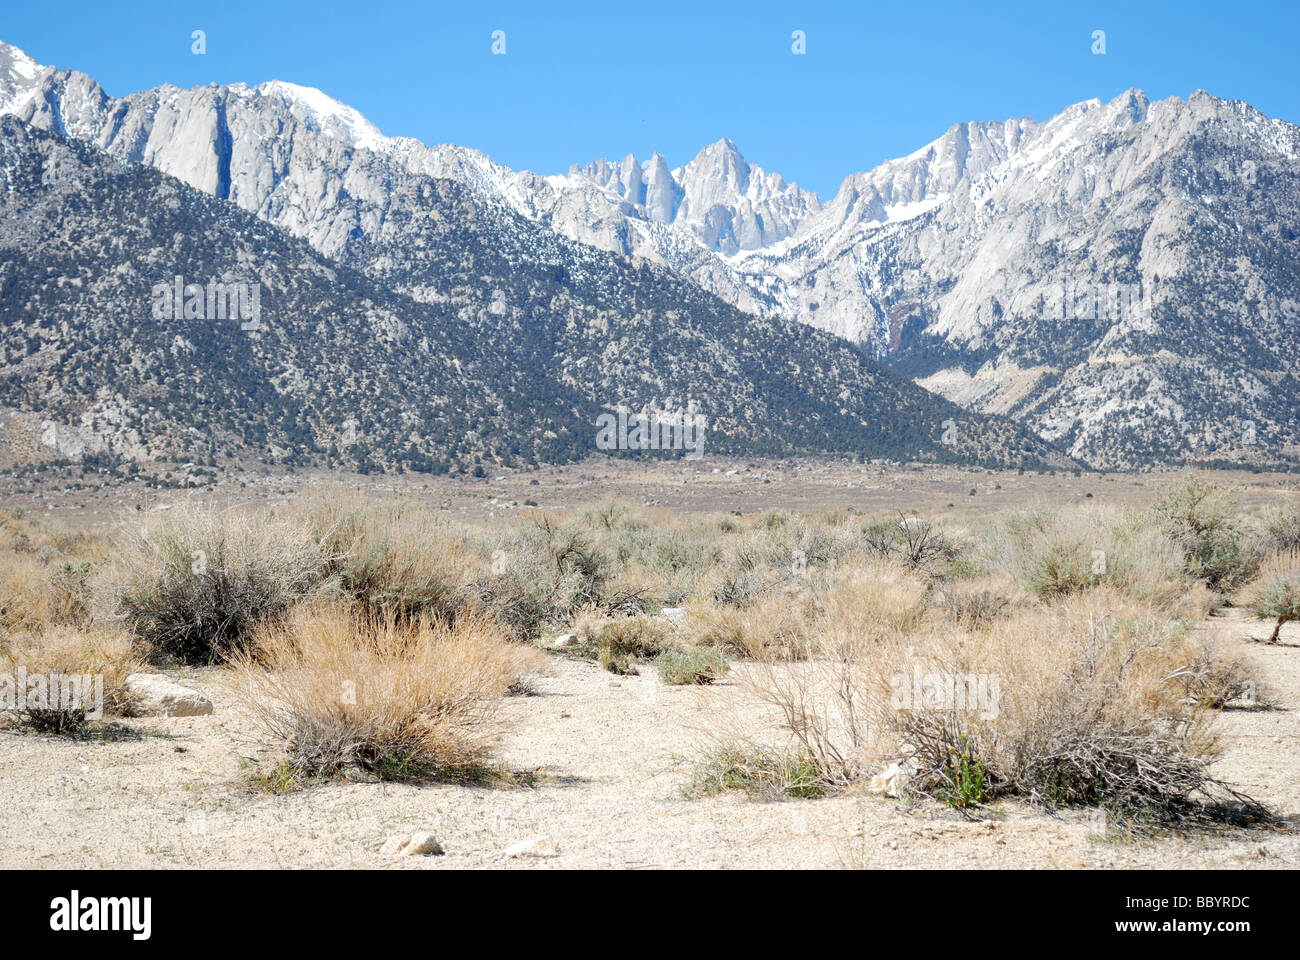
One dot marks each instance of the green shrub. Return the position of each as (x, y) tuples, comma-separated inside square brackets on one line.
[(1059, 571), (1278, 594), (640, 637), (700, 665), (1200, 517), (763, 774)]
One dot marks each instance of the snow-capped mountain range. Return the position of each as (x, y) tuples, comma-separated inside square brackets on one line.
[(961, 263)]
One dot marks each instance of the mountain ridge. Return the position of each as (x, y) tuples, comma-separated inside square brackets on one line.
[(942, 263), (449, 337)]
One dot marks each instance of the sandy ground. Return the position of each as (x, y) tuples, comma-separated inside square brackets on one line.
[(610, 756)]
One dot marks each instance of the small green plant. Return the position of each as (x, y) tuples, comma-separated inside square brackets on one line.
[(762, 774), (1060, 571), (698, 666), (966, 776), (277, 779)]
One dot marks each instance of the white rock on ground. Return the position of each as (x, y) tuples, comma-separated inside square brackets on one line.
[(675, 615), (542, 846), (161, 696), (891, 781), (419, 844)]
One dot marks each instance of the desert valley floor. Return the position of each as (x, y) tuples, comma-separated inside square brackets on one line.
[(602, 759), (609, 755)]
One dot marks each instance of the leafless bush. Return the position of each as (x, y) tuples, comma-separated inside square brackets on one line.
[(920, 544), (98, 661), (738, 589), (1283, 530), (1095, 701), (193, 586), (972, 609)]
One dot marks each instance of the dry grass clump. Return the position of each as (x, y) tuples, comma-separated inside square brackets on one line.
[(396, 700), (791, 621), (26, 595), (973, 607), (1282, 529), (587, 625), (772, 626), (1095, 700), (73, 676), (624, 640), (406, 562), (193, 587), (870, 600), (640, 636), (761, 773), (1210, 678), (46, 573), (1057, 553), (398, 562)]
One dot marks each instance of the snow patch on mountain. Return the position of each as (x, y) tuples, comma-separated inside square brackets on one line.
[(335, 119), (18, 75)]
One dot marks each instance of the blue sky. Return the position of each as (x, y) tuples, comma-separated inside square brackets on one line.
[(581, 80)]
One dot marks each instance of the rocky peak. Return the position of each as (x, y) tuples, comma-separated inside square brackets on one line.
[(662, 193)]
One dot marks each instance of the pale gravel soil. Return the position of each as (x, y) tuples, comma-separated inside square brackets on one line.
[(611, 755)]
